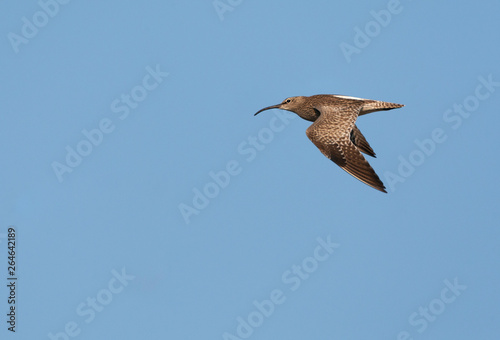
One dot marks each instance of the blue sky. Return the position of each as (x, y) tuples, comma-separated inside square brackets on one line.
[(149, 201)]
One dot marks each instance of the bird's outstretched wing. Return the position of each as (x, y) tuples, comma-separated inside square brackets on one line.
[(331, 133), (359, 140)]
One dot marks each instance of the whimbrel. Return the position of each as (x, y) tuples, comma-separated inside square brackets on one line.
[(334, 131)]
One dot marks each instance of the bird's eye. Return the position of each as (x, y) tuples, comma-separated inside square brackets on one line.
[(288, 100)]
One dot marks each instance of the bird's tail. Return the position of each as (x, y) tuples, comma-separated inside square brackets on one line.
[(375, 105)]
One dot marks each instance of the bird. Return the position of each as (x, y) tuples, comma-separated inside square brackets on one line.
[(334, 131)]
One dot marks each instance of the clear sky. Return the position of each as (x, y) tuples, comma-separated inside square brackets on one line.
[(148, 201)]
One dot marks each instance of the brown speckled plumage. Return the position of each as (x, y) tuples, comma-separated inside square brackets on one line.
[(334, 131)]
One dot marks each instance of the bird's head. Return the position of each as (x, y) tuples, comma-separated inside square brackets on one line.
[(302, 106), (292, 104)]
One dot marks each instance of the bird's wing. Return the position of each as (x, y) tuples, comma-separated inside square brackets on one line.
[(331, 133), (359, 140)]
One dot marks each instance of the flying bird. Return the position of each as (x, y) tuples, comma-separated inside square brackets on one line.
[(334, 131)]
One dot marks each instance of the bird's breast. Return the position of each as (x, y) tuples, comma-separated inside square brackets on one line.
[(309, 114)]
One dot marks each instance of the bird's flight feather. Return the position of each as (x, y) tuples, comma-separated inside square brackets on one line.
[(332, 133)]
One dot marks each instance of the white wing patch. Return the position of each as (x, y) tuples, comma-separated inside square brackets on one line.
[(347, 97)]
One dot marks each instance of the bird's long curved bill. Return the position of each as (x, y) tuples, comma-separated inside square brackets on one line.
[(268, 108)]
